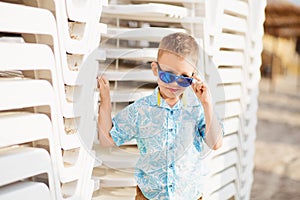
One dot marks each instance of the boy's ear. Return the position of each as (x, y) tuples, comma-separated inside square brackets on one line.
[(154, 68)]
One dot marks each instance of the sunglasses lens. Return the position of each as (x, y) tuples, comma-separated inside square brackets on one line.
[(184, 82), (167, 77)]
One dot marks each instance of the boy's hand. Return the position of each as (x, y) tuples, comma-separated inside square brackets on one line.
[(214, 131), (201, 90), (104, 118), (104, 89)]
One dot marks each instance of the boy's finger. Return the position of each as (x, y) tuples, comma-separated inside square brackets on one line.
[(197, 78), (100, 82), (101, 79), (195, 88), (105, 80)]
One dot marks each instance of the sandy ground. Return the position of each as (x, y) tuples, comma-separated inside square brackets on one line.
[(277, 157)]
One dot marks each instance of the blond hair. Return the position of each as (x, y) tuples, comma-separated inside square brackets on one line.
[(181, 44)]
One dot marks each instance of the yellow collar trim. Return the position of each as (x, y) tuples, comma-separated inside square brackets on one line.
[(158, 98)]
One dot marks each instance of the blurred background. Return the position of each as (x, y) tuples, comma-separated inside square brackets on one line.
[(277, 158)]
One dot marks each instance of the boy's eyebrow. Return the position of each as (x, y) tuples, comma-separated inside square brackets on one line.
[(170, 70)]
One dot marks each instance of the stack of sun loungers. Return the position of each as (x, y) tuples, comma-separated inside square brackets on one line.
[(53, 50)]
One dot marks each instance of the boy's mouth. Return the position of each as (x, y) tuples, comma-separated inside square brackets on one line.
[(173, 90)]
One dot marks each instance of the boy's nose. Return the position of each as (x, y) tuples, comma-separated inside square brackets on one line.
[(174, 84)]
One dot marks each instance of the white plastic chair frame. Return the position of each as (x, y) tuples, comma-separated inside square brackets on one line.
[(11, 25), (33, 93), (79, 10), (25, 190)]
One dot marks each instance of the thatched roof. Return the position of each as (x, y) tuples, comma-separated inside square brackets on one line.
[(282, 18)]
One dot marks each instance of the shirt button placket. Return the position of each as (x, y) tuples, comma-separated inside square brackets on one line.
[(171, 135), (171, 176)]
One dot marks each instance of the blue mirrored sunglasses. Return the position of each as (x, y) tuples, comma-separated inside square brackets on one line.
[(169, 77)]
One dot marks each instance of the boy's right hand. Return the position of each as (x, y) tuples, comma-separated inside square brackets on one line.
[(104, 89)]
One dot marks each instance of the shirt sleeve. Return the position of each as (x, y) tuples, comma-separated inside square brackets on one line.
[(201, 127), (200, 133), (125, 125)]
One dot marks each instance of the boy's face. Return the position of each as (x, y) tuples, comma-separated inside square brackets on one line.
[(174, 64)]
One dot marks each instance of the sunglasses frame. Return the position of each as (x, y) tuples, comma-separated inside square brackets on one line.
[(189, 79)]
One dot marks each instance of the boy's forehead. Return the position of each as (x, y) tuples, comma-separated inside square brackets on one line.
[(171, 55), (169, 58)]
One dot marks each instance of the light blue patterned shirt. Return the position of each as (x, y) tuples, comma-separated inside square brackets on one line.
[(171, 145)]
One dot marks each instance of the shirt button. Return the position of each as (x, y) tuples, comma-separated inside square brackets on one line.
[(171, 148), (171, 112), (171, 188), (171, 165), (170, 129)]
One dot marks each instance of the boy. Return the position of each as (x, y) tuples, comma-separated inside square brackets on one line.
[(169, 125)]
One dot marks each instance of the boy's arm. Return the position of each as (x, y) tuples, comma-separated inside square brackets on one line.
[(213, 131), (104, 118)]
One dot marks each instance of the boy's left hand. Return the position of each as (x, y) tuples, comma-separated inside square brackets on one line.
[(201, 90)]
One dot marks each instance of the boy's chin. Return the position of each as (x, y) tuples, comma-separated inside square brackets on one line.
[(173, 94), (177, 94)]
